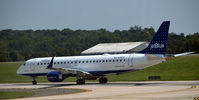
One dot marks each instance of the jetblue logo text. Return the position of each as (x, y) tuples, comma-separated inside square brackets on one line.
[(157, 45)]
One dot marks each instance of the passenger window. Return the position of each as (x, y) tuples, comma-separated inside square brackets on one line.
[(93, 61), (90, 61), (64, 62), (113, 60), (106, 60), (57, 62), (79, 61), (48, 63), (102, 60), (41, 63), (75, 61), (109, 60), (54, 62), (37, 63), (124, 59), (71, 62), (99, 60), (44, 63), (116, 60), (61, 62), (120, 60), (68, 62), (82, 61)]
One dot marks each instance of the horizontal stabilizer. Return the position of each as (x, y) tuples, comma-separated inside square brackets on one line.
[(183, 54)]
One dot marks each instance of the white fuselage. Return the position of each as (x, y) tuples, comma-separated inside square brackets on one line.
[(94, 64)]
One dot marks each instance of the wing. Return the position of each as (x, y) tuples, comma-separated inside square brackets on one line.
[(68, 70), (71, 71)]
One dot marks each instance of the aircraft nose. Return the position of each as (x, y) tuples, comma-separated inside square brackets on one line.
[(19, 70)]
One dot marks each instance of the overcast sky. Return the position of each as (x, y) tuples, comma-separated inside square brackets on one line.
[(96, 14)]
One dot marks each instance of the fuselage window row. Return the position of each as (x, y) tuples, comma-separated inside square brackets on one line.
[(90, 61)]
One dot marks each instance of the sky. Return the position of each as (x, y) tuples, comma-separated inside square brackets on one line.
[(95, 14)]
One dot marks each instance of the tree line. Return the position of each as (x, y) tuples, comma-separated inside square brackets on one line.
[(20, 45)]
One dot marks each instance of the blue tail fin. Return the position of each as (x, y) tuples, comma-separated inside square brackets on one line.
[(159, 41)]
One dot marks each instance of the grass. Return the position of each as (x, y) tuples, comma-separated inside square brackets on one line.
[(10, 95), (179, 68), (8, 73)]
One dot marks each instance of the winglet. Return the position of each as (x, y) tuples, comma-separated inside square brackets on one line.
[(51, 63)]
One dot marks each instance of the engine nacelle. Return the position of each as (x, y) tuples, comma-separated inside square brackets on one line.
[(55, 76)]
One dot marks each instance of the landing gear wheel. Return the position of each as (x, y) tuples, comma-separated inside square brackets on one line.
[(103, 80), (34, 82), (80, 81)]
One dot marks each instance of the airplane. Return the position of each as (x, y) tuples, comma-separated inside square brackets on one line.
[(92, 67)]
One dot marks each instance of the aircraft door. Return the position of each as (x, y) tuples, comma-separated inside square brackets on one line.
[(32, 66), (130, 61)]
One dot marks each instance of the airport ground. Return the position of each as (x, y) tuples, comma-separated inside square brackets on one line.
[(145, 90), (177, 69), (175, 83)]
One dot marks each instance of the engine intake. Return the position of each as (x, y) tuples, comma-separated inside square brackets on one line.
[(55, 76)]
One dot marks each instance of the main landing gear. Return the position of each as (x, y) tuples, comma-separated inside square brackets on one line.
[(80, 81), (103, 80), (34, 82)]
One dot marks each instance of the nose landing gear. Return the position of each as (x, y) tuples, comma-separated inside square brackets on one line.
[(34, 82)]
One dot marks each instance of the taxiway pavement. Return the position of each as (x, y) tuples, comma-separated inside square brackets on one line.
[(147, 90)]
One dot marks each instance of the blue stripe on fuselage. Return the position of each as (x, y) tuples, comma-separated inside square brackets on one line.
[(95, 73)]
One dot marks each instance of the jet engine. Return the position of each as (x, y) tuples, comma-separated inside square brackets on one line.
[(55, 76)]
